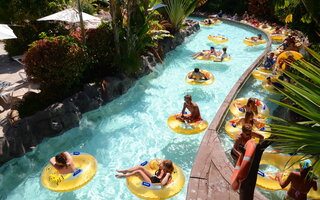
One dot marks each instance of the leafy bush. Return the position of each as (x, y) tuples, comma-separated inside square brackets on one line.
[(57, 64), (100, 47)]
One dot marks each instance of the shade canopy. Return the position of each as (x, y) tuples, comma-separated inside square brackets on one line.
[(6, 32), (69, 15)]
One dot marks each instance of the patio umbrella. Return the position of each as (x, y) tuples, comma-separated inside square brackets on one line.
[(69, 15), (6, 32)]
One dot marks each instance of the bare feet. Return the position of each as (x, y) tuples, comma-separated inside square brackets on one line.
[(121, 171), (120, 175)]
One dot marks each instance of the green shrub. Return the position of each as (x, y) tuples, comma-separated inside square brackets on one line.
[(57, 64)]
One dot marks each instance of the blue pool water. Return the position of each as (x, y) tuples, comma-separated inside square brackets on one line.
[(133, 128)]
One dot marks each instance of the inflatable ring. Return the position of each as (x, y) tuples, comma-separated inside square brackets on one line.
[(269, 88), (233, 130), (217, 21), (266, 180), (286, 54), (237, 111), (186, 128), (146, 190), (218, 39), (203, 24), (86, 166), (218, 58), (243, 165), (209, 76), (253, 43), (204, 58), (262, 74), (278, 37)]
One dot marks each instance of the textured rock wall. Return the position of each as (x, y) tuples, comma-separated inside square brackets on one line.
[(60, 117)]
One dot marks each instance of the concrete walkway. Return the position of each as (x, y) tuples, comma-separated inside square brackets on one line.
[(9, 71)]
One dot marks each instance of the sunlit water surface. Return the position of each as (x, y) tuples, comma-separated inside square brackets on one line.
[(133, 128)]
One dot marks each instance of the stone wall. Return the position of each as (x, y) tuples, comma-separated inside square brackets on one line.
[(26, 133)]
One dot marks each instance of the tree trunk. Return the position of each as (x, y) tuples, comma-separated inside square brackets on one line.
[(114, 11), (248, 185)]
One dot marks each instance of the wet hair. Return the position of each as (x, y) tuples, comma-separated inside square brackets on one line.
[(167, 166), (224, 49), (196, 69), (251, 101), (259, 35), (61, 158), (272, 53), (212, 47), (188, 96), (246, 127)]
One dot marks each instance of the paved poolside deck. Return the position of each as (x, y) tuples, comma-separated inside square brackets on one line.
[(211, 173), (9, 71)]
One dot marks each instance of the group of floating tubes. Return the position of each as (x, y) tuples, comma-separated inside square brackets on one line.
[(233, 130), (218, 38), (250, 42), (86, 166), (209, 76), (186, 128), (150, 191), (285, 164), (236, 108), (213, 58)]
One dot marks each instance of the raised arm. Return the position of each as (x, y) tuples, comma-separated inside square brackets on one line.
[(282, 183), (166, 179)]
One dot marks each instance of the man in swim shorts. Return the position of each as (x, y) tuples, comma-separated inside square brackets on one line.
[(242, 139), (193, 108), (301, 182), (197, 75)]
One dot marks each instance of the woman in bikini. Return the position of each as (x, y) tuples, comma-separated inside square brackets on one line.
[(161, 176), (63, 162), (301, 182), (251, 106), (248, 119)]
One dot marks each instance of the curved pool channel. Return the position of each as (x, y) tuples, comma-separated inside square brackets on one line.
[(133, 128)]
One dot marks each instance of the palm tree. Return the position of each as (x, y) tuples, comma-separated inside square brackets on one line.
[(304, 92)]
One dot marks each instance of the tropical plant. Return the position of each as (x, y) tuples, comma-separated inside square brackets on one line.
[(301, 137), (135, 29), (177, 10)]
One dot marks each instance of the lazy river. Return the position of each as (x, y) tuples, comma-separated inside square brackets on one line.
[(133, 128)]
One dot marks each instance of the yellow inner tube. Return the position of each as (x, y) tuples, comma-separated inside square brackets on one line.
[(285, 164), (262, 74), (186, 128), (209, 76), (233, 130), (203, 24), (213, 58), (278, 37), (156, 192), (237, 110), (218, 39), (249, 42), (86, 166), (270, 88), (286, 54)]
